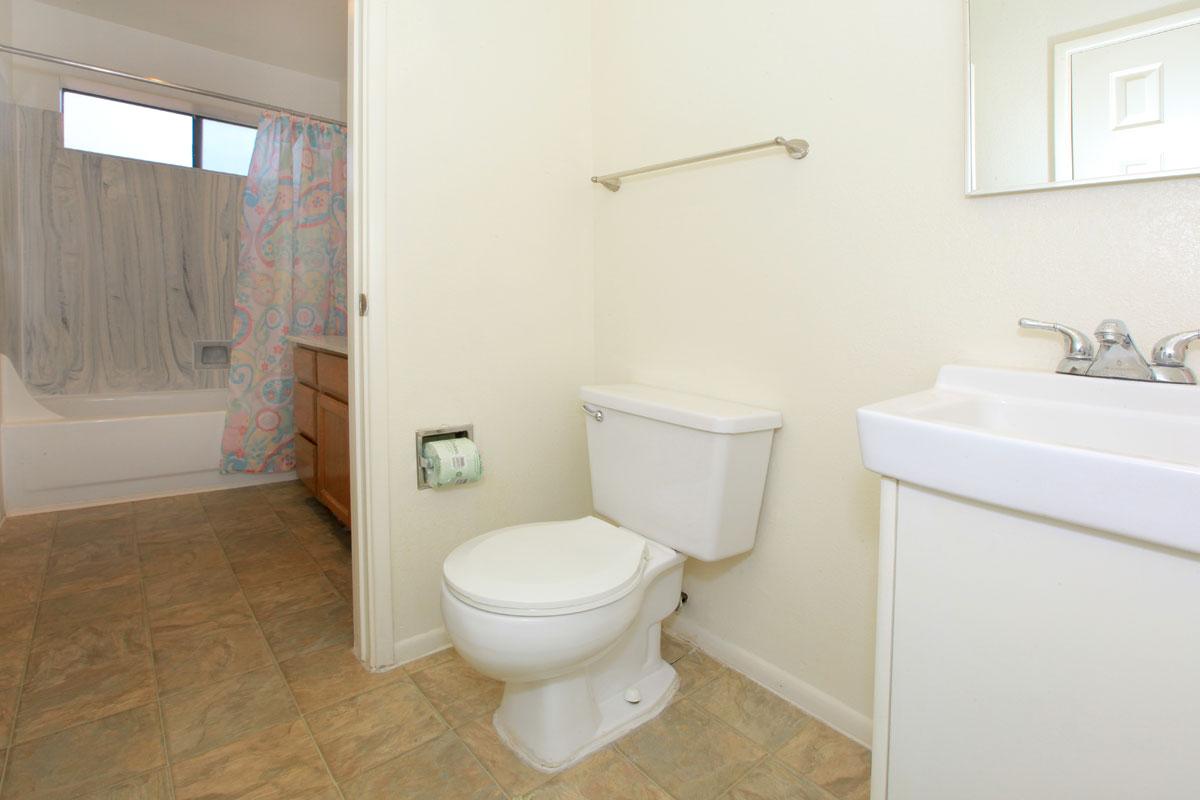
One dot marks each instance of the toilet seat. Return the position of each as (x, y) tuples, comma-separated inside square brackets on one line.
[(547, 569)]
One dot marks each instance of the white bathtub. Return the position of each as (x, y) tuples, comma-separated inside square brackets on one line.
[(77, 450)]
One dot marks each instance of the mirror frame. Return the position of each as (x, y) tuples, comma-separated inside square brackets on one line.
[(969, 173)]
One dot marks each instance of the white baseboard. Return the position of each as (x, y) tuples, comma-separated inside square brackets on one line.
[(422, 644), (807, 697)]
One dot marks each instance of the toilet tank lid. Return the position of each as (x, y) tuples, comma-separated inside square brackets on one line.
[(679, 408)]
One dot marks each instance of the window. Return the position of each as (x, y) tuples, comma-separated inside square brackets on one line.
[(132, 130)]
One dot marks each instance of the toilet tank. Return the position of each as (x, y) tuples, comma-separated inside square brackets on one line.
[(683, 470)]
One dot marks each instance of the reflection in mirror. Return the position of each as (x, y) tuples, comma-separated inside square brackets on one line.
[(1067, 91)]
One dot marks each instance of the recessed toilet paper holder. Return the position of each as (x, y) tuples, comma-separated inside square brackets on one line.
[(434, 435)]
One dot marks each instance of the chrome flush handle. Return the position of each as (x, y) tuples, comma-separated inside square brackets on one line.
[(595, 413)]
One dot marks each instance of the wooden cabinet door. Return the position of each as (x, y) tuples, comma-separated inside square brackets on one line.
[(333, 456), (306, 462)]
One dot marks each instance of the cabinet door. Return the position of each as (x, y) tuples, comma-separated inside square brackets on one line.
[(304, 411), (306, 462), (333, 456)]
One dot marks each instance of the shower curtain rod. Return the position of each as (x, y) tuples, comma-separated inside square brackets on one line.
[(116, 73)]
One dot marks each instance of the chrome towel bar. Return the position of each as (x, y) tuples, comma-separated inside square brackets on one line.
[(796, 148)]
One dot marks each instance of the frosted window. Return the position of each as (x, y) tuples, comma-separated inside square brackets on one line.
[(116, 128), (226, 147)]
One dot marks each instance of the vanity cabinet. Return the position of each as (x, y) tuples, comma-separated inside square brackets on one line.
[(322, 419), (1023, 657)]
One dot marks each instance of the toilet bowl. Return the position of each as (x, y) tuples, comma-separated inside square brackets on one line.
[(568, 614), (570, 622)]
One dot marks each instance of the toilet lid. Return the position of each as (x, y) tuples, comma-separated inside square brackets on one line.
[(547, 568)]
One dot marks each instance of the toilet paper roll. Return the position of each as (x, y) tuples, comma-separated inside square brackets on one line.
[(450, 462)]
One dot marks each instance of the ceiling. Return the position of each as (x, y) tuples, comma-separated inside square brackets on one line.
[(305, 35)]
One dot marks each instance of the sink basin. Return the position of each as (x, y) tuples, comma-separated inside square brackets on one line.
[(1116, 456)]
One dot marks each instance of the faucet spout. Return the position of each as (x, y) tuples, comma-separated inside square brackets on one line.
[(1117, 355)]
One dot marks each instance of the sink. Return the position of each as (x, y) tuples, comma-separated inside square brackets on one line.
[(1117, 456)]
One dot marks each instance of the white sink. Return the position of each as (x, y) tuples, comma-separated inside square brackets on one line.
[(1116, 456)]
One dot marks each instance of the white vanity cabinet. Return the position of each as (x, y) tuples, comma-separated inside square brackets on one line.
[(1022, 655)]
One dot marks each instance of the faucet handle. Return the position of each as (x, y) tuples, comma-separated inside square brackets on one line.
[(1170, 350), (1079, 346)]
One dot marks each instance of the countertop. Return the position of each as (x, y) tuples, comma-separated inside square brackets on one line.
[(326, 344)]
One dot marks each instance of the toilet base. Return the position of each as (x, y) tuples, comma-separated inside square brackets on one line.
[(616, 716)]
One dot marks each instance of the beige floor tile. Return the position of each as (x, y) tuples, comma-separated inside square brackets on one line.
[(243, 543), (202, 616), (772, 781), (84, 694), (752, 710), (695, 670), (62, 651), (457, 691), (259, 518), (278, 762), (20, 586), (160, 506), (13, 655), (232, 498), (31, 539), (190, 660), (307, 513), (16, 624), (68, 576), (688, 753), (170, 524), (827, 758), (297, 594), (95, 513), (8, 713), (154, 785), (165, 591), (181, 555), (171, 532), (285, 493), (432, 660), (357, 734), (443, 769), (310, 630), (606, 775), (513, 774), (342, 580), (87, 757), (327, 676), (674, 649), (75, 534), (28, 522), (200, 720), (62, 614), (284, 563)]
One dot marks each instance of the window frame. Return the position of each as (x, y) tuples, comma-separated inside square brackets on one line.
[(197, 128)]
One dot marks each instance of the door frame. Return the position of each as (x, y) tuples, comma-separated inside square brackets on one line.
[(1064, 151), (371, 536)]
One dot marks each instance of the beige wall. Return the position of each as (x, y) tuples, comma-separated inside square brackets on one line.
[(817, 286), (489, 271)]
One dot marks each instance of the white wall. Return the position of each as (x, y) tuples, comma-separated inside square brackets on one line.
[(489, 271), (48, 29), (818, 286)]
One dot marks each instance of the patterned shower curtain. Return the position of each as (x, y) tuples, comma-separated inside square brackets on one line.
[(291, 279)]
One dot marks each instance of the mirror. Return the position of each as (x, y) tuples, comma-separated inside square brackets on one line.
[(1064, 92)]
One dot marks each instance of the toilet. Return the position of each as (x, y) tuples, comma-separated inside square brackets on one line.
[(568, 614)]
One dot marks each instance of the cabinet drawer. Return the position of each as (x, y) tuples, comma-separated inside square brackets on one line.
[(306, 463), (304, 364), (304, 411), (332, 377)]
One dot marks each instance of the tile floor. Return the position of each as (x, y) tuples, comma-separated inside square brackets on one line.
[(199, 647)]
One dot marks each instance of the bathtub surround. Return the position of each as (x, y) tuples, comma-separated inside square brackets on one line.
[(291, 279), (124, 264)]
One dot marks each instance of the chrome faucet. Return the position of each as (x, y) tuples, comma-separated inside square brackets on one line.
[(1117, 356)]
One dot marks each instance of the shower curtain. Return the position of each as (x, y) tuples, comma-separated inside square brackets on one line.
[(291, 279)]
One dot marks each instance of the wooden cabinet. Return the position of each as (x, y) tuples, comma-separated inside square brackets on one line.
[(322, 419)]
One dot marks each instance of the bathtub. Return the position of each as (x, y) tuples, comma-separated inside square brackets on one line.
[(77, 450)]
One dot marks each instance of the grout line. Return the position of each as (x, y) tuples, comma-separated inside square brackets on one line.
[(274, 660), (162, 721)]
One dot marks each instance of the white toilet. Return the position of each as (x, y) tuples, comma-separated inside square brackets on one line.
[(568, 614)]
